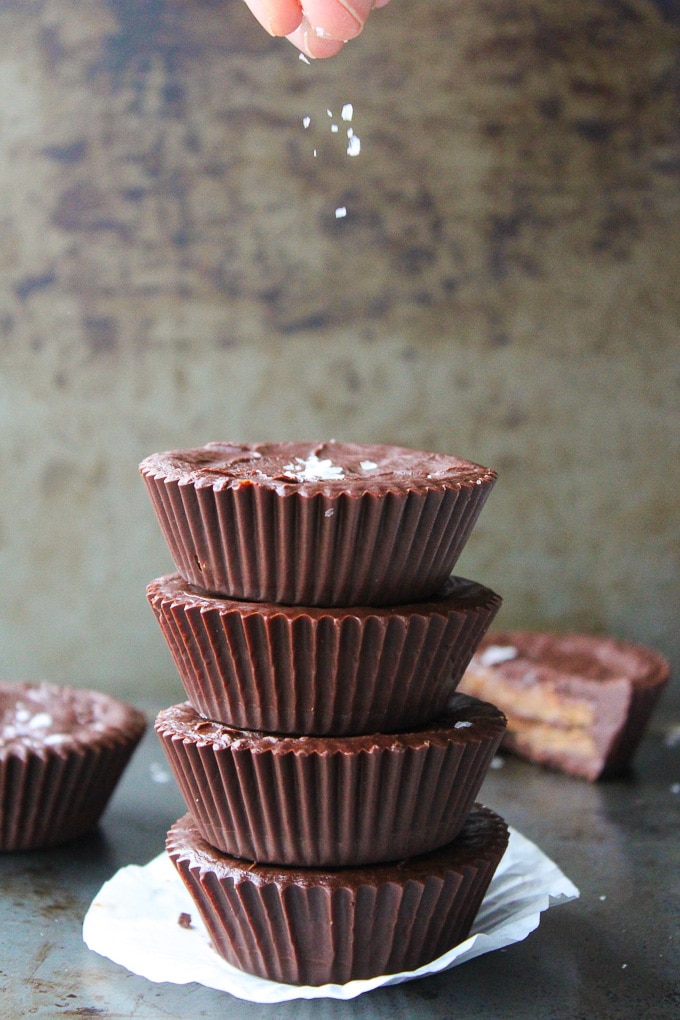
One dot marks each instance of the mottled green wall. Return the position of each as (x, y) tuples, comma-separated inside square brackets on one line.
[(505, 286)]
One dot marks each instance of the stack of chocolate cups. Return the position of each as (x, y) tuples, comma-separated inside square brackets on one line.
[(329, 768)]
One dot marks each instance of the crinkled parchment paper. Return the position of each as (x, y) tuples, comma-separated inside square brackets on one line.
[(134, 921)]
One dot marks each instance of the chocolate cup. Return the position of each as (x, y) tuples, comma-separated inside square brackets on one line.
[(321, 671), (331, 801), (313, 927), (56, 781), (577, 703), (382, 537)]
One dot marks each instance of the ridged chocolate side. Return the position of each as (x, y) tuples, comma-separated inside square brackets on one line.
[(331, 801), (53, 796), (258, 544), (317, 671), (319, 927)]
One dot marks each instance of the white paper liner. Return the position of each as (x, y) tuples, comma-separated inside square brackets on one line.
[(133, 921)]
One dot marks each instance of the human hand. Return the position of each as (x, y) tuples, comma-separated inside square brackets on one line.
[(321, 29)]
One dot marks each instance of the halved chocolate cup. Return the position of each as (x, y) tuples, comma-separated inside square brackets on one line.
[(579, 703), (284, 669), (331, 801), (62, 752), (331, 524), (314, 927)]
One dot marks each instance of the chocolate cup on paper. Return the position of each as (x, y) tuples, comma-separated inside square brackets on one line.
[(578, 703), (62, 752), (330, 524), (315, 927), (331, 801), (285, 669)]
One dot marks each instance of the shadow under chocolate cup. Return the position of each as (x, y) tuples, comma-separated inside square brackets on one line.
[(329, 524), (62, 752), (315, 927), (331, 801), (285, 669)]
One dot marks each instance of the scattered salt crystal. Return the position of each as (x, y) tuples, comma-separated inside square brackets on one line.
[(340, 212), (368, 465), (40, 720), (462, 724), (624, 966), (313, 469), (497, 762), (315, 152), (675, 788), (22, 715), (329, 112), (306, 121), (303, 58), (602, 899), (347, 111), (334, 128), (55, 738), (353, 145), (494, 654), (329, 512), (672, 738), (158, 773)]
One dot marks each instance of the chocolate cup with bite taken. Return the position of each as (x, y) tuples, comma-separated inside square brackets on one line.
[(578, 703)]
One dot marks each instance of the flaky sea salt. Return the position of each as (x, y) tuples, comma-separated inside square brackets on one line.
[(306, 121), (368, 465), (495, 654), (462, 724), (347, 111), (304, 59), (340, 212), (353, 144), (313, 469)]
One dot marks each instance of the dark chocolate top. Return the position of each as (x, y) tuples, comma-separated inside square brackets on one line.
[(458, 594), (330, 468), (34, 717), (483, 838), (528, 657), (467, 719)]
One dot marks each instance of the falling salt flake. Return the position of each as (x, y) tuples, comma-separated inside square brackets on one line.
[(675, 788), (329, 112), (306, 121), (329, 512), (494, 654), (497, 762), (347, 111), (368, 465), (353, 145), (672, 738), (624, 966), (315, 153), (334, 128), (340, 212), (158, 773), (303, 58), (602, 899), (462, 724)]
